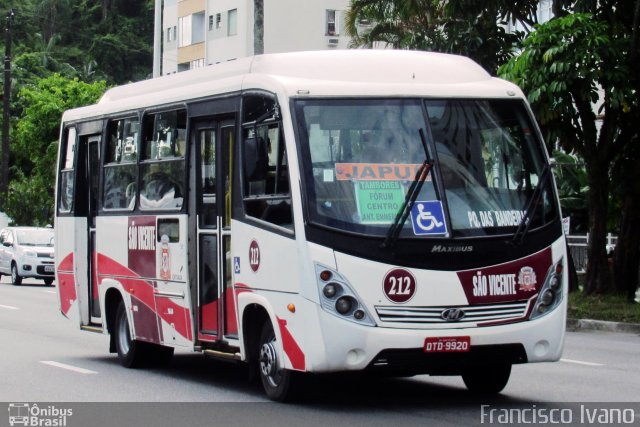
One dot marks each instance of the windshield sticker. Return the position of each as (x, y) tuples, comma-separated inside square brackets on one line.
[(428, 218), (484, 219), (379, 201), (377, 172), (327, 175)]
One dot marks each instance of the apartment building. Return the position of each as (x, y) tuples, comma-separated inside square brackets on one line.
[(204, 32)]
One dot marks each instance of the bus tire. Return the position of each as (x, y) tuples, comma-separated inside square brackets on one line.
[(487, 379), (131, 353), (48, 281), (279, 384), (16, 280)]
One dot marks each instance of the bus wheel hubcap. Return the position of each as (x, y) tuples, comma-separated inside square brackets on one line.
[(268, 360)]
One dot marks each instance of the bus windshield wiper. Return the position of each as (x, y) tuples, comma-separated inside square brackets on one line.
[(534, 200), (410, 198)]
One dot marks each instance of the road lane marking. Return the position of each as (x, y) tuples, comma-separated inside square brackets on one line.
[(50, 292), (68, 367), (9, 307), (580, 362)]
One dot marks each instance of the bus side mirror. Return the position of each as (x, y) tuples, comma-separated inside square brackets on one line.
[(256, 159)]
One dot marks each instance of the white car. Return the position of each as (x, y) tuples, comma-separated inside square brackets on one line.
[(27, 252)]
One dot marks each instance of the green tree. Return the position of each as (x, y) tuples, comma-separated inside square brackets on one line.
[(465, 27), (568, 66), (34, 145)]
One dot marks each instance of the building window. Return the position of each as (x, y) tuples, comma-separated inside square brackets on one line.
[(332, 28), (232, 23), (168, 35), (210, 22), (197, 63), (218, 20), (184, 30)]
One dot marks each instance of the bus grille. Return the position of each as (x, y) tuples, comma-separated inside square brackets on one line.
[(472, 314)]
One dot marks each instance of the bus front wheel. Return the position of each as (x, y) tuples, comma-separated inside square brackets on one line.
[(278, 383), (487, 380)]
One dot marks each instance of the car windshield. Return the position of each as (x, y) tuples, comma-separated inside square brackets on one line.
[(361, 156), (35, 237)]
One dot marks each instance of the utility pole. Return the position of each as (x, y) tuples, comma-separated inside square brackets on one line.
[(157, 40), (6, 99)]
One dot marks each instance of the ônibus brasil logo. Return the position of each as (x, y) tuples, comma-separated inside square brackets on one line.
[(27, 414)]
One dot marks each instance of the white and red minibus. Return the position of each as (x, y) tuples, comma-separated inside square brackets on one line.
[(382, 211)]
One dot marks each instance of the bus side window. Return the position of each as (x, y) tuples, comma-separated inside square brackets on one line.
[(162, 165), (120, 172), (67, 175), (267, 194)]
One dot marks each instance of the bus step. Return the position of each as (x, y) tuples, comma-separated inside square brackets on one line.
[(91, 328), (222, 354)]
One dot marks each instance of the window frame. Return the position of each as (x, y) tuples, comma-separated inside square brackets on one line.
[(142, 161)]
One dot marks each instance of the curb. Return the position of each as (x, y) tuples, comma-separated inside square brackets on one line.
[(602, 325)]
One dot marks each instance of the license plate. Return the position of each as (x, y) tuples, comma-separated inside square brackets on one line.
[(48, 269), (447, 344)]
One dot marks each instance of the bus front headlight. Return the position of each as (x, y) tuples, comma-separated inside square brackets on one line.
[(550, 294), (338, 297)]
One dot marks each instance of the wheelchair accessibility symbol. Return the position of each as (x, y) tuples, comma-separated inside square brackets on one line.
[(428, 218)]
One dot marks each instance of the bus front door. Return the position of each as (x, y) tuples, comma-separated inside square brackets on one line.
[(213, 140)]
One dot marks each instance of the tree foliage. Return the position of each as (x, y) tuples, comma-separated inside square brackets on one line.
[(63, 53), (466, 27), (576, 71), (35, 144)]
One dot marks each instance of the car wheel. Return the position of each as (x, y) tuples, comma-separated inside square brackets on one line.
[(16, 280), (48, 281), (131, 353), (279, 384), (487, 380)]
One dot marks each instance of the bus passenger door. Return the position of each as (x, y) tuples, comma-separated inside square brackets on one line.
[(88, 175), (213, 140)]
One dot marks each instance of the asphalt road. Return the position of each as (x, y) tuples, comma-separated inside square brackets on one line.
[(45, 358)]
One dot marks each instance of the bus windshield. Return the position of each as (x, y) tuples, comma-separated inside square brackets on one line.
[(361, 156)]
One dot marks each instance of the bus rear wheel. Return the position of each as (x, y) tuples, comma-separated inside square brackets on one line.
[(487, 379), (279, 384), (130, 352)]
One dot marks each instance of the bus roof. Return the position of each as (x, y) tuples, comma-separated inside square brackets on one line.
[(358, 72)]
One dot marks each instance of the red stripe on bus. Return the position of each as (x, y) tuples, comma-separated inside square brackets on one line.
[(291, 347), (144, 291), (67, 285)]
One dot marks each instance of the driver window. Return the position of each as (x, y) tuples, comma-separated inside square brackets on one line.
[(266, 172)]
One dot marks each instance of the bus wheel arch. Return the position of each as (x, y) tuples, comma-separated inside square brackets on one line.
[(265, 361)]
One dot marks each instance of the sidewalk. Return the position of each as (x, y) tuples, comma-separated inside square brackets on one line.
[(602, 325)]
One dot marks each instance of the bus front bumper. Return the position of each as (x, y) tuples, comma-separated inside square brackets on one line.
[(348, 346)]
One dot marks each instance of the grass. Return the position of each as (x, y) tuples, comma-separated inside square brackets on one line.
[(614, 308)]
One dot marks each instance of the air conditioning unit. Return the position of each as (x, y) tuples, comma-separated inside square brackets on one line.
[(333, 41)]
